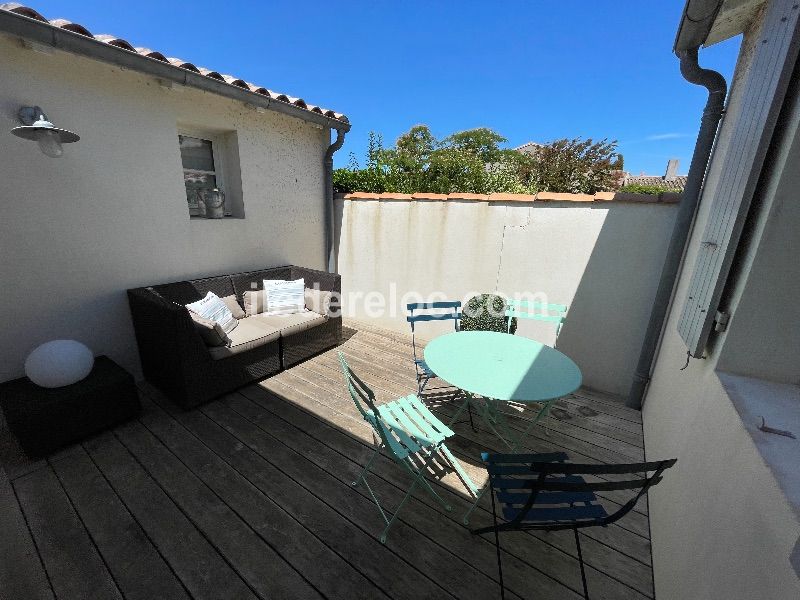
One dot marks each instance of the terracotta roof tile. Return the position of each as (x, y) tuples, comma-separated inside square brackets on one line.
[(211, 74), (602, 197), (561, 197), (111, 40), (503, 197), (428, 196), (151, 54), (115, 41), (467, 196), (179, 62), (70, 26)]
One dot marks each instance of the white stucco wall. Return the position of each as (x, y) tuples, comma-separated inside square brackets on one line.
[(721, 526), (603, 259), (111, 213)]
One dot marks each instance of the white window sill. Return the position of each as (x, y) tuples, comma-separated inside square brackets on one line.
[(779, 405), (225, 218)]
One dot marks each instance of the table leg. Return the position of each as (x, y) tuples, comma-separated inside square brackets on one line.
[(512, 445), (465, 404)]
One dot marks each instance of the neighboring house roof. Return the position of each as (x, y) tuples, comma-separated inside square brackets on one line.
[(676, 183), (340, 121), (528, 147)]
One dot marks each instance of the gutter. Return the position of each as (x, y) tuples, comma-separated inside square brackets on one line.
[(330, 215), (698, 17), (696, 22), (75, 43)]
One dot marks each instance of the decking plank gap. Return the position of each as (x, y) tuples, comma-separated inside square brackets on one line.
[(192, 557), (298, 430), (250, 496), (342, 403), (326, 570), (22, 572), (337, 532), (73, 563), (262, 569), (138, 568), (413, 546)]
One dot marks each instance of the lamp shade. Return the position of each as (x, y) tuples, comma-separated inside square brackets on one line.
[(33, 132), (59, 363), (36, 127)]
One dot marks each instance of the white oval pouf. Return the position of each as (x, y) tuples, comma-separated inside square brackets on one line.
[(59, 363)]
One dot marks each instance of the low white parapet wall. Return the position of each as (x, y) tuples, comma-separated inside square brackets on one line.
[(600, 254)]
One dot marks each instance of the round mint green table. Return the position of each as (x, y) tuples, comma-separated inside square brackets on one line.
[(500, 366)]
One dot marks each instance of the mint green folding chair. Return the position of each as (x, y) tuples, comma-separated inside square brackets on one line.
[(406, 430), (538, 311)]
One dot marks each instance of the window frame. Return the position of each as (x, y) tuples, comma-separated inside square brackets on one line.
[(217, 153)]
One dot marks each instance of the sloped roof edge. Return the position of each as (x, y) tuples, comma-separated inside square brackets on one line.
[(27, 23)]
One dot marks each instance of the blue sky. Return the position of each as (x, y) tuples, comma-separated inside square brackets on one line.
[(531, 70)]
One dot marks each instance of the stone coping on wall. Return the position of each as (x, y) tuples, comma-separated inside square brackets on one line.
[(604, 197)]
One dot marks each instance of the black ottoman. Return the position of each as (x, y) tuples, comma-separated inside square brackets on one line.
[(45, 419)]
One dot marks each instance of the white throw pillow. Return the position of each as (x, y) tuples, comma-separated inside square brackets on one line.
[(284, 297), (212, 307)]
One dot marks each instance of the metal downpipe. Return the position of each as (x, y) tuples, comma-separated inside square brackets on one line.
[(714, 109), (330, 214)]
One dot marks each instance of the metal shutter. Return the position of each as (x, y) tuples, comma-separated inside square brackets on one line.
[(765, 87)]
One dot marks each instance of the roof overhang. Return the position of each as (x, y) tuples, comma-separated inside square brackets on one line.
[(45, 34), (707, 22)]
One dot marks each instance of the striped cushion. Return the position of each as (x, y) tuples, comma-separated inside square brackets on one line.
[(211, 331), (284, 297), (212, 307)]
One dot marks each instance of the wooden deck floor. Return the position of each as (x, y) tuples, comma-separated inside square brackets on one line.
[(250, 497)]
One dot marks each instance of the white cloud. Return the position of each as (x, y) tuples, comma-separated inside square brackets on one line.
[(665, 136)]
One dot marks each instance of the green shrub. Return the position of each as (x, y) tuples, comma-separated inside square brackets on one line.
[(486, 312), (652, 190), (472, 161)]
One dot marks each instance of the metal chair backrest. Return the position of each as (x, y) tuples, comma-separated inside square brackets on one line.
[(541, 491), (538, 311), (364, 399), (420, 312)]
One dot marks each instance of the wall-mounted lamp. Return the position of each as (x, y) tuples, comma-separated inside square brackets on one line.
[(38, 128)]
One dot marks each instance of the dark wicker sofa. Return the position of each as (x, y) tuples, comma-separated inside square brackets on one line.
[(177, 361)]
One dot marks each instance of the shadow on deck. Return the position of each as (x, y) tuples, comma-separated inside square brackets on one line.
[(249, 496)]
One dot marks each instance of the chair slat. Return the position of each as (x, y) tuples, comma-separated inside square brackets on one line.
[(396, 448), (582, 469), (545, 463), (428, 305), (424, 366), (397, 429), (536, 317), (403, 413), (548, 485), (537, 304), (443, 317), (546, 497), (429, 417), (569, 513), (526, 459)]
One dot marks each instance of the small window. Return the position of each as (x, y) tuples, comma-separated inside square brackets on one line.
[(200, 171), (209, 161)]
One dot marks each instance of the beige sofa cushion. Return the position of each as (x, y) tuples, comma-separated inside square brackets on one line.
[(291, 324), (251, 333), (253, 302), (233, 306), (212, 332), (319, 301)]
